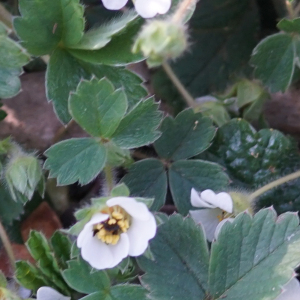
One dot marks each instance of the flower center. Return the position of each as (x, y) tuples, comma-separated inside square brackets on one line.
[(224, 215), (109, 231)]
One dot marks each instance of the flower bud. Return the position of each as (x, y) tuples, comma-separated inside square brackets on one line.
[(23, 174), (241, 202), (161, 40)]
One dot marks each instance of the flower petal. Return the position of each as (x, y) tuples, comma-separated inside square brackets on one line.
[(197, 201), (208, 219), (88, 228), (149, 8), (220, 225), (136, 209), (291, 291), (114, 4), (221, 200), (97, 253), (48, 293), (119, 250), (139, 234)]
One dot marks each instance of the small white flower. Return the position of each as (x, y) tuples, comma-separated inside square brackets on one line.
[(145, 8), (291, 291), (123, 228), (48, 293), (215, 208)]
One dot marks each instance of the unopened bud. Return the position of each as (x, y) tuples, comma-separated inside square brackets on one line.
[(161, 40), (241, 202)]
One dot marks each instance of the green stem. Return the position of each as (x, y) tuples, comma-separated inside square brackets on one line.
[(109, 177), (274, 184), (181, 89), (5, 17), (7, 246)]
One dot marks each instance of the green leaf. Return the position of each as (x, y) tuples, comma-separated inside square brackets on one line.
[(120, 190), (29, 276), (139, 127), (117, 52), (3, 281), (253, 159), (39, 249), (120, 292), (64, 73), (97, 107), (222, 36), (97, 38), (180, 269), (61, 246), (290, 26), (185, 136), (198, 174), (10, 209), (80, 277), (260, 253), (147, 178), (274, 60), (44, 25), (12, 58), (75, 160)]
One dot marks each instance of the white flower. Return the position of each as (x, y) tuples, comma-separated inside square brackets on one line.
[(123, 228), (215, 208), (145, 8), (48, 293), (291, 291)]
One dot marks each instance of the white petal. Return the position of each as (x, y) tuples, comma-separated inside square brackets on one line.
[(291, 291), (220, 225), (136, 209), (88, 228), (114, 4), (119, 250), (209, 220), (149, 8), (97, 253), (221, 200), (197, 201), (48, 293), (139, 233)]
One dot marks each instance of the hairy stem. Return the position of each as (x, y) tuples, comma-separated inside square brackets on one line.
[(274, 184), (7, 246), (181, 89), (180, 13), (109, 177)]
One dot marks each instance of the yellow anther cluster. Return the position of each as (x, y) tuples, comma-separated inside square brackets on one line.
[(109, 231)]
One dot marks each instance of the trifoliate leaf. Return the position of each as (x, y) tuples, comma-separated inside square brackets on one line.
[(139, 126), (120, 292), (117, 52), (197, 174), (12, 58), (97, 38), (180, 268), (80, 277), (260, 252), (185, 136), (64, 73), (43, 24), (97, 107), (147, 178), (253, 159), (274, 59), (75, 160)]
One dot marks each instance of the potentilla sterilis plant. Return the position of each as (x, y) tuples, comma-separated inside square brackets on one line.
[(122, 228), (145, 8)]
